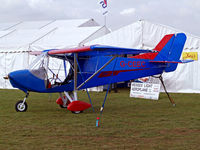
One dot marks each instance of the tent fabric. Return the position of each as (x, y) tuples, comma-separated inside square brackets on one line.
[(17, 39), (155, 32), (4, 33), (146, 35), (25, 25), (72, 36), (10, 62), (7, 25), (128, 36), (54, 35), (72, 23)]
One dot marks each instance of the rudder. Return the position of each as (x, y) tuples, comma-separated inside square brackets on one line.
[(176, 51)]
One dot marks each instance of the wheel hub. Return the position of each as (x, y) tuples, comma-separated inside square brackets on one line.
[(21, 106)]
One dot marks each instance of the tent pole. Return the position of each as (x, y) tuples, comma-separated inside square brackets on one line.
[(8, 33), (43, 36), (13, 25), (105, 20), (142, 33), (48, 24), (87, 39)]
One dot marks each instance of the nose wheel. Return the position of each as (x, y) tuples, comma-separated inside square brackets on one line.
[(21, 106)]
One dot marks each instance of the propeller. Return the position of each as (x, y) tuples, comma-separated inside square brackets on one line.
[(6, 77)]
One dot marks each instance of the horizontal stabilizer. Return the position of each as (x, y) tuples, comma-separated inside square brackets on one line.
[(187, 61), (169, 61)]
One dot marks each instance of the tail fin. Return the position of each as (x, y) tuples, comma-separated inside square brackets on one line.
[(169, 50), (163, 44), (172, 51)]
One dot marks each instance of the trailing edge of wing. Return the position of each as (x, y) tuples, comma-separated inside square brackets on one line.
[(95, 50)]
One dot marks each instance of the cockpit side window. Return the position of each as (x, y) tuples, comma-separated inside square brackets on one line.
[(39, 67)]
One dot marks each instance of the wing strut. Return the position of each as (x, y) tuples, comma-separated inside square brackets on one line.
[(102, 107), (75, 76), (106, 64)]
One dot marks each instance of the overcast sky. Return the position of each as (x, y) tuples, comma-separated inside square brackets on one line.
[(180, 14)]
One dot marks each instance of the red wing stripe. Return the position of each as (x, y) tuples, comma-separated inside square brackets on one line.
[(72, 50), (115, 73)]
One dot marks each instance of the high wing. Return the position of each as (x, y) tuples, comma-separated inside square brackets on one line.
[(97, 50)]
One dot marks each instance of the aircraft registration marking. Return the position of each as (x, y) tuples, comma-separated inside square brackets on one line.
[(132, 64)]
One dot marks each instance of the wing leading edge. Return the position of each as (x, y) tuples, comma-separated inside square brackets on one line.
[(95, 50)]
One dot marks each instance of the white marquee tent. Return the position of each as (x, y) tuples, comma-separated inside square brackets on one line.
[(19, 38), (146, 35)]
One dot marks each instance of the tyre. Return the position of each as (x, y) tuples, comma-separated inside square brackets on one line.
[(20, 107), (76, 112), (61, 106)]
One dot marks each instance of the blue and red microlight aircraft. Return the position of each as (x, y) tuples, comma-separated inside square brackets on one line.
[(93, 66)]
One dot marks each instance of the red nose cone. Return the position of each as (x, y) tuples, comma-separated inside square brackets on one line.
[(78, 106)]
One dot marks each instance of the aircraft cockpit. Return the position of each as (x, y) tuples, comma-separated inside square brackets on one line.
[(53, 71)]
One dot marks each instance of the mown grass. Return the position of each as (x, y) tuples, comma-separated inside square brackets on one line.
[(127, 123)]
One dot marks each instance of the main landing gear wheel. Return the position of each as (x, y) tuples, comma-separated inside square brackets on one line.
[(62, 106), (20, 106), (76, 112)]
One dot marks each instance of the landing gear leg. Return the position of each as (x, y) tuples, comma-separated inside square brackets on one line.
[(64, 100), (171, 100), (21, 106)]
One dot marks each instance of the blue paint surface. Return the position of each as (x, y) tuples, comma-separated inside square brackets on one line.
[(120, 69)]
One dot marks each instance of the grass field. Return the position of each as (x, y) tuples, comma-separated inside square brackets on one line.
[(127, 123)]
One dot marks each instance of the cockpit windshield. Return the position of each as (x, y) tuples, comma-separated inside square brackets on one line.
[(39, 67), (52, 70)]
